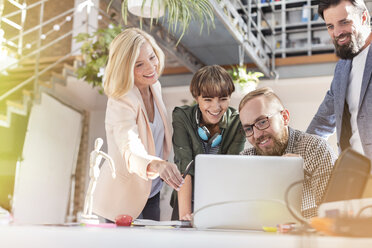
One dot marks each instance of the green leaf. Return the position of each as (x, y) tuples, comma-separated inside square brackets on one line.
[(95, 53), (82, 37), (180, 13), (240, 75)]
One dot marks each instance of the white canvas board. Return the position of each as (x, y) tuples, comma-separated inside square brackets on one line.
[(49, 157)]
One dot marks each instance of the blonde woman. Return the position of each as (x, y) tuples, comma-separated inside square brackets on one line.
[(138, 137)]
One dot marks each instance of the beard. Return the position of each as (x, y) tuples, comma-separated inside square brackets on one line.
[(350, 50), (280, 144)]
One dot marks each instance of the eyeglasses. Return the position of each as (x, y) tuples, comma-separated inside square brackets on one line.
[(261, 124)]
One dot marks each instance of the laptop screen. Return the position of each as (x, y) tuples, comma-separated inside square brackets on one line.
[(245, 192)]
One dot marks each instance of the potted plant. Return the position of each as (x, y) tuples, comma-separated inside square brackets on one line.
[(95, 53), (245, 81), (179, 12)]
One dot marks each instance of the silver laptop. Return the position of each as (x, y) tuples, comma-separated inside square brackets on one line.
[(245, 192)]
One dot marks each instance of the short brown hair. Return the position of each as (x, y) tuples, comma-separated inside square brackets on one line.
[(211, 81), (264, 91)]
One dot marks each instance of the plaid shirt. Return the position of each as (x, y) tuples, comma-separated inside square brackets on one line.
[(318, 159)]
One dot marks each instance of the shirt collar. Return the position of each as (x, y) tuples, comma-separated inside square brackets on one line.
[(291, 141)]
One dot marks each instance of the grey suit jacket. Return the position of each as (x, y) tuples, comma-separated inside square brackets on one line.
[(329, 115)]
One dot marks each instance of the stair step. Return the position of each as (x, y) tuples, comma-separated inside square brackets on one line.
[(49, 60), (22, 76), (8, 85), (31, 68), (15, 101), (58, 78), (15, 104), (69, 67), (27, 93), (58, 75), (46, 84), (16, 76)]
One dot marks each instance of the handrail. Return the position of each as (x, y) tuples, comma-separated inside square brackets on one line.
[(42, 48), (34, 29), (18, 5), (43, 24), (11, 91), (104, 13), (224, 9), (256, 26), (27, 81), (38, 50), (27, 8)]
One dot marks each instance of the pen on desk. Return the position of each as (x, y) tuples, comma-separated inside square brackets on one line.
[(188, 167)]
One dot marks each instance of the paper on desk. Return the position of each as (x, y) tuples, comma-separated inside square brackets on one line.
[(174, 223), (5, 216)]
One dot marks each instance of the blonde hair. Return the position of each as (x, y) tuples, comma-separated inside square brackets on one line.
[(211, 81), (124, 51), (264, 91)]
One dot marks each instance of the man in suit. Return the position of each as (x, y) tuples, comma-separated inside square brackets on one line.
[(347, 106)]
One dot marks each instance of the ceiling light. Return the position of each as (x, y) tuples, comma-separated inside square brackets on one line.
[(135, 7)]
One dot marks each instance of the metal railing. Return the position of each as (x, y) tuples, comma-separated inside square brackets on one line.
[(253, 41), (17, 41)]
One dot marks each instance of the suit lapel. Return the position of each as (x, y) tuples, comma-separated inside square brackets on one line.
[(344, 83), (366, 76)]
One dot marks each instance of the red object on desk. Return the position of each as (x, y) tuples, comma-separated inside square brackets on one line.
[(123, 220)]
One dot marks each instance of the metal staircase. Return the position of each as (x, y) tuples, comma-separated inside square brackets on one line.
[(245, 29), (22, 81), (20, 101)]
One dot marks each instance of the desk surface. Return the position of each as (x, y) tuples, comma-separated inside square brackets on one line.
[(91, 237)]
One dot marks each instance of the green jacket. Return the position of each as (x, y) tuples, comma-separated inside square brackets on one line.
[(187, 143)]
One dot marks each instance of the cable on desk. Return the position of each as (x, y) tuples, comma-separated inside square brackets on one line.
[(297, 217), (361, 210)]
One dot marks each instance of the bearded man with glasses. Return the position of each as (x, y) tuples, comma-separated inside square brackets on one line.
[(265, 123)]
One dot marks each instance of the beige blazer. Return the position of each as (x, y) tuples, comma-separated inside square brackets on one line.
[(131, 146)]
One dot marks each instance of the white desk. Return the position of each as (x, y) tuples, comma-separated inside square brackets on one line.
[(91, 237)]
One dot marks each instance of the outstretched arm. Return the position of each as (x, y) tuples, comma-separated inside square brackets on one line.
[(121, 117)]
